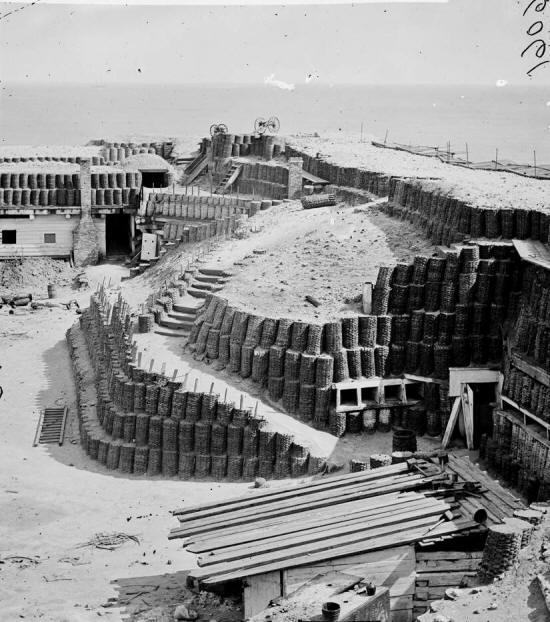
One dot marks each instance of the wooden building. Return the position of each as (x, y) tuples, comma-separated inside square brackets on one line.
[(41, 204), (381, 525)]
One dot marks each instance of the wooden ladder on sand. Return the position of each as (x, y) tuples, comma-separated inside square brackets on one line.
[(51, 426)]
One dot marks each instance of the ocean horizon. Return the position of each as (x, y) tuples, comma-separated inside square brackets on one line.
[(515, 120)]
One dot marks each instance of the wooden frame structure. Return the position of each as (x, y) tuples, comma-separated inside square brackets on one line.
[(376, 388), (460, 379)]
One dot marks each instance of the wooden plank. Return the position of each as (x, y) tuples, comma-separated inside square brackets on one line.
[(447, 555), (470, 375), (315, 486), (444, 578), (425, 379), (469, 472), (344, 493), (328, 549), (63, 424), (451, 423), (517, 420), (259, 590), (467, 399), (414, 534), (321, 534), (545, 425), (348, 511), (539, 374), (456, 565), (198, 527)]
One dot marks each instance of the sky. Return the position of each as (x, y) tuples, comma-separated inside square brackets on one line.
[(457, 42)]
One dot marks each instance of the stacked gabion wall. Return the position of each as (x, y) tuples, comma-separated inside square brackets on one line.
[(149, 424), (350, 177), (115, 152), (427, 316), (63, 189), (446, 219)]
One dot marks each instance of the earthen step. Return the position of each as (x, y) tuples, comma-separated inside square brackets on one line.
[(171, 332), (209, 287), (175, 324), (210, 279), (197, 293), (186, 308), (215, 272), (185, 318)]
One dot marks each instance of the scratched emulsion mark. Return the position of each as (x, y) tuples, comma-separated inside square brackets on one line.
[(537, 47)]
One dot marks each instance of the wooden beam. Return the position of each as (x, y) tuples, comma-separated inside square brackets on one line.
[(325, 501), (413, 534), (289, 553), (323, 534), (467, 400), (344, 493), (287, 524), (531, 370), (451, 423), (470, 375), (268, 495)]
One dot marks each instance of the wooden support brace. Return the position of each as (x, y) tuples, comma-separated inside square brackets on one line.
[(467, 399), (451, 423)]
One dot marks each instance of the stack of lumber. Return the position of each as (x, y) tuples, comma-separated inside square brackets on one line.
[(310, 523), (498, 502), (437, 571)]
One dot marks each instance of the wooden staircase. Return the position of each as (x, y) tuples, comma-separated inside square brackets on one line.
[(51, 426), (229, 178), (195, 168)]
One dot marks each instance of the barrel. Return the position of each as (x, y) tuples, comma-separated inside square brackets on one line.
[(52, 291)]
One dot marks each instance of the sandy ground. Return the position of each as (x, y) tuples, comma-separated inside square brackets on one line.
[(483, 188), (327, 253), (55, 499)]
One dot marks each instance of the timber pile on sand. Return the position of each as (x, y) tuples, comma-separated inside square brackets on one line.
[(477, 187)]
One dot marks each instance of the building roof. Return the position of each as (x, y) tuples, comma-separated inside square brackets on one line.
[(336, 517), (146, 162)]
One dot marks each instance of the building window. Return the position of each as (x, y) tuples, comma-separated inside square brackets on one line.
[(9, 236), (49, 238)]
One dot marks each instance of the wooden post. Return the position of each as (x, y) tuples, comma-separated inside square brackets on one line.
[(185, 380), (175, 375), (386, 136), (242, 401), (467, 399), (467, 156), (151, 365), (496, 159), (195, 385), (451, 423), (163, 369), (139, 358), (211, 388)]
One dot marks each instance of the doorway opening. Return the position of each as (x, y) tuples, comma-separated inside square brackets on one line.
[(118, 234), (484, 402), (154, 179)]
